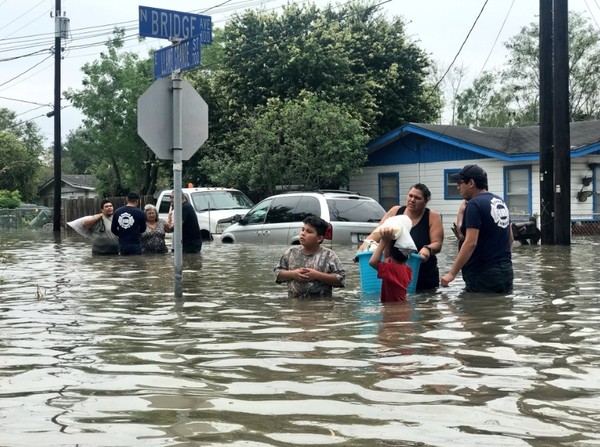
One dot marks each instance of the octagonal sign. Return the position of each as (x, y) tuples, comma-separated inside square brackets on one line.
[(155, 119)]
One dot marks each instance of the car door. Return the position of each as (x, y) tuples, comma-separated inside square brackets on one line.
[(250, 228), (276, 229)]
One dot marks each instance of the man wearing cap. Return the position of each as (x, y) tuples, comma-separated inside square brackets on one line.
[(485, 254)]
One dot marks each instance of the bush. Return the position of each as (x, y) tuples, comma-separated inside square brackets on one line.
[(10, 199)]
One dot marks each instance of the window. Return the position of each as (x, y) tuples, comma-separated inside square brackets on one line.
[(307, 205), (257, 214), (389, 188), (517, 181), (596, 174), (354, 210), (281, 210), (451, 192)]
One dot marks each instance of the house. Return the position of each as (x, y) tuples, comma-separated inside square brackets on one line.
[(430, 154), (72, 187)]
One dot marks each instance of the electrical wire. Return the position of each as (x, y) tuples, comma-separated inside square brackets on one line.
[(497, 37), (459, 51)]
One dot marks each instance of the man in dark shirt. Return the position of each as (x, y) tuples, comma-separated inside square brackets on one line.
[(191, 236), (128, 223), (485, 253)]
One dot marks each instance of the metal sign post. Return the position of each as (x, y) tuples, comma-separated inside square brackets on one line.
[(172, 116), (177, 168)]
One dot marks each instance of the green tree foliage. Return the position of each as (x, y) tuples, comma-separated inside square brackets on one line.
[(107, 144), (352, 57), (18, 166), (511, 97), (305, 142), (20, 151), (9, 199)]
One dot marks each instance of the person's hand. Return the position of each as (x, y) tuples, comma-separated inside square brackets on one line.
[(308, 274), (425, 254), (447, 279), (387, 234)]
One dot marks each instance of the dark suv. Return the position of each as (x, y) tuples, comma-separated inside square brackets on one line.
[(278, 219)]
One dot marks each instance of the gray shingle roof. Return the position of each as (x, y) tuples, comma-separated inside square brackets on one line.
[(514, 140)]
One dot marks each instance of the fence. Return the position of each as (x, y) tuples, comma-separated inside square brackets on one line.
[(71, 209)]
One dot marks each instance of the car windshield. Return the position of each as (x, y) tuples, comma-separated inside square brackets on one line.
[(354, 210), (220, 200)]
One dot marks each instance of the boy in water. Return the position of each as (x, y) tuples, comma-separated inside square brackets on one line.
[(394, 273), (310, 270)]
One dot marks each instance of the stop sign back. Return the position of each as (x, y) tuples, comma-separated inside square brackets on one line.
[(155, 119)]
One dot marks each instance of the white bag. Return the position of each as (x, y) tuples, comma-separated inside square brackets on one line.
[(401, 226), (77, 225)]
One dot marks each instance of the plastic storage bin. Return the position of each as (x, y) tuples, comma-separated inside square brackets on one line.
[(370, 283)]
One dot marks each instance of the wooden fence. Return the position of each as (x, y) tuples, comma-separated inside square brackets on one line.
[(75, 208)]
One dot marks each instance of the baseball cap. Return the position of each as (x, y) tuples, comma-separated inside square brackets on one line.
[(471, 172)]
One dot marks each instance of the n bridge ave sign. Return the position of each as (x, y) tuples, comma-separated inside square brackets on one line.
[(174, 25)]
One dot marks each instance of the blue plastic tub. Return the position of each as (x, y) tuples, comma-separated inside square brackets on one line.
[(370, 283)]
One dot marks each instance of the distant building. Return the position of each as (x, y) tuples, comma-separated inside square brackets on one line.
[(72, 187), (430, 154)]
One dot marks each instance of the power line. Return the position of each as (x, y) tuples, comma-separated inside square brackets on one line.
[(459, 50), (497, 37)]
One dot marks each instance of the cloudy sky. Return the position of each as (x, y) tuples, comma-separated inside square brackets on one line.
[(27, 36)]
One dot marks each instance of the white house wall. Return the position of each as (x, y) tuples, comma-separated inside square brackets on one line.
[(432, 175)]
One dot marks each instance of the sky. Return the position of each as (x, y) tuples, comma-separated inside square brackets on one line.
[(439, 27)]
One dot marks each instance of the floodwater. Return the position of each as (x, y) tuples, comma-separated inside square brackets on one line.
[(96, 352)]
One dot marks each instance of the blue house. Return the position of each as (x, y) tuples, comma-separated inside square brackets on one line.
[(430, 154)]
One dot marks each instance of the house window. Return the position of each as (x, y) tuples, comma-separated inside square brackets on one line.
[(517, 181), (596, 174), (451, 192), (389, 190)]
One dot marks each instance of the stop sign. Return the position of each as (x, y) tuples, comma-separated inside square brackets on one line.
[(155, 119)]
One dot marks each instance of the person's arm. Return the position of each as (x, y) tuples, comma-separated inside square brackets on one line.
[(464, 254), (386, 240), (91, 221), (436, 236), (331, 279), (114, 225), (459, 220), (376, 236)]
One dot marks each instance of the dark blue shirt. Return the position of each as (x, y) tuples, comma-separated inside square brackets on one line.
[(489, 214), (128, 223)]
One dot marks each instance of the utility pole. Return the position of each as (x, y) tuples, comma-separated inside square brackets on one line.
[(562, 134), (57, 130), (546, 117)]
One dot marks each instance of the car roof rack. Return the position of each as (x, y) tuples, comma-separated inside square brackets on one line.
[(339, 191)]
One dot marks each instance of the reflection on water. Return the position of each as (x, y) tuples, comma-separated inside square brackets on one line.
[(95, 351)]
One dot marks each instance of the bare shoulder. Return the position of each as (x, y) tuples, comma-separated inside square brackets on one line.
[(434, 215)]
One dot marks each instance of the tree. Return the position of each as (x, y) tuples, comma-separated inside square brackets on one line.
[(512, 97), (18, 166), (352, 57), (304, 142), (21, 146), (107, 143)]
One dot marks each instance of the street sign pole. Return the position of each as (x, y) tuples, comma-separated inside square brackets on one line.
[(177, 168)]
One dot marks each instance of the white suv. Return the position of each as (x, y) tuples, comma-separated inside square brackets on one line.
[(278, 219), (211, 205)]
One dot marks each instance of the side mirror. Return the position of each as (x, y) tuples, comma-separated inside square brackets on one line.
[(236, 218)]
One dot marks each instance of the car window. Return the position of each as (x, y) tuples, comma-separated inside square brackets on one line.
[(354, 210), (220, 200), (165, 203), (257, 214), (307, 205), (281, 209)]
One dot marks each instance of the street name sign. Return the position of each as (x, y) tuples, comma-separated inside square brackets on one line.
[(183, 56), (177, 25)]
